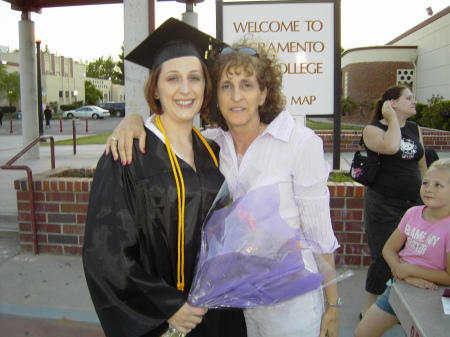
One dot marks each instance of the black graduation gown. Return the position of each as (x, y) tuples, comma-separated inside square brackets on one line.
[(130, 243)]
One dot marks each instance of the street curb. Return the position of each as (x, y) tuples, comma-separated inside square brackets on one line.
[(48, 313)]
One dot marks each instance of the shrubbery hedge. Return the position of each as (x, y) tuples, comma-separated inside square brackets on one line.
[(436, 116), (8, 109), (66, 107)]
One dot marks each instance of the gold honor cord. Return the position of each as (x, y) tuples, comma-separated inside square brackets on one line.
[(181, 196)]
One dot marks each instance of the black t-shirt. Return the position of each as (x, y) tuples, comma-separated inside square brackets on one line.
[(399, 176)]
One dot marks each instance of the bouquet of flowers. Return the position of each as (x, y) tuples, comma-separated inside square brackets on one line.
[(249, 256)]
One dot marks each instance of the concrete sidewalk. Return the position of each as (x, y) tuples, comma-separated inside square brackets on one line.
[(46, 295)]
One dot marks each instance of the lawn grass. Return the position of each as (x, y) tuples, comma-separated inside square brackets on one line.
[(101, 138), (87, 140), (329, 126)]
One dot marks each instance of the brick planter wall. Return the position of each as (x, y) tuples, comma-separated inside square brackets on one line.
[(61, 207), (436, 139), (347, 211)]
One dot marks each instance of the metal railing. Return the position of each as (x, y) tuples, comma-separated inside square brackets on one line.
[(9, 166)]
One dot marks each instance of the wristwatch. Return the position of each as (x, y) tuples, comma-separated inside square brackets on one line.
[(338, 303)]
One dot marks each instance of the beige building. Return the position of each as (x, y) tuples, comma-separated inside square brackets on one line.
[(110, 92)]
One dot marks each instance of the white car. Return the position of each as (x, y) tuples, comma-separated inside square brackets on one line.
[(87, 111)]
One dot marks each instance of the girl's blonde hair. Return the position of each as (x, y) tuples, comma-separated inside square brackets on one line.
[(442, 164)]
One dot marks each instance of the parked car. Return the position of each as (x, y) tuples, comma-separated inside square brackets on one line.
[(116, 109), (87, 111)]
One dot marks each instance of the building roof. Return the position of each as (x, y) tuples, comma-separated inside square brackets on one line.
[(425, 23)]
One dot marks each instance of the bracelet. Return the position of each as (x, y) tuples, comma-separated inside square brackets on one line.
[(338, 303)]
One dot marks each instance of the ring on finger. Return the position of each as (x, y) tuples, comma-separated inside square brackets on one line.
[(114, 139)]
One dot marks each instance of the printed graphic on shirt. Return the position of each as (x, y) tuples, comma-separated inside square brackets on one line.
[(418, 240), (408, 148)]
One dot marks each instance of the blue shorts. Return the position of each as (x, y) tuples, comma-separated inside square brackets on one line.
[(382, 301)]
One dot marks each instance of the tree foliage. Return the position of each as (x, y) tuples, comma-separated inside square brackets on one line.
[(105, 69), (120, 68), (9, 85), (92, 94)]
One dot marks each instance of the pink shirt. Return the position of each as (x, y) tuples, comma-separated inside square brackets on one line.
[(427, 242), (291, 156)]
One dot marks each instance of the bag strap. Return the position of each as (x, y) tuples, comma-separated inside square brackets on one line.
[(361, 143)]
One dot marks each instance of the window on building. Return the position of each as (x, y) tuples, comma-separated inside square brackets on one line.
[(67, 94), (406, 77), (61, 95), (346, 84)]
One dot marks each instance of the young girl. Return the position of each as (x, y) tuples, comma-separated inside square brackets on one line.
[(425, 259)]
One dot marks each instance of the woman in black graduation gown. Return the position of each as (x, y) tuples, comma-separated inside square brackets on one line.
[(144, 220)]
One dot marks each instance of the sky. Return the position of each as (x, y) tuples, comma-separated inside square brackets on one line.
[(86, 33)]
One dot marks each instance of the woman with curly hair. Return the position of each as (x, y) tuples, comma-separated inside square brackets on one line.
[(261, 145)]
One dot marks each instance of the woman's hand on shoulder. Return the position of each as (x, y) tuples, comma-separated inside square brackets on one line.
[(187, 318), (120, 143)]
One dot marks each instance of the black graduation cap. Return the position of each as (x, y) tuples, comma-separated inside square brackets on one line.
[(170, 40)]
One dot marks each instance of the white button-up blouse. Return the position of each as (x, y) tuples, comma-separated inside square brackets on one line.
[(291, 156)]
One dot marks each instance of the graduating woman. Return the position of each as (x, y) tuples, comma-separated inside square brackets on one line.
[(143, 226)]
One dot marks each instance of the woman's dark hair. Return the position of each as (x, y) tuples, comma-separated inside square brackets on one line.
[(155, 105), (391, 93), (268, 73)]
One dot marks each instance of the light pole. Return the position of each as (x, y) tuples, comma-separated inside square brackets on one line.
[(10, 92), (39, 88)]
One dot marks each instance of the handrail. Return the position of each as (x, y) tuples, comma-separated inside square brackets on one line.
[(9, 166)]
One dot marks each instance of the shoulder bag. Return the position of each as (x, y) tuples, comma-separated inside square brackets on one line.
[(364, 169)]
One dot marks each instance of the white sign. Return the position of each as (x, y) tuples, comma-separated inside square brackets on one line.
[(302, 34)]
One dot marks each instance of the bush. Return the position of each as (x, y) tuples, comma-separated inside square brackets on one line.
[(339, 177), (8, 109), (435, 116), (420, 108), (347, 106), (67, 107)]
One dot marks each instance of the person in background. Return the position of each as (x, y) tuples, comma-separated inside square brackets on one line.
[(421, 262), (430, 156), (261, 145), (48, 116), (398, 143), (143, 226), (1, 117)]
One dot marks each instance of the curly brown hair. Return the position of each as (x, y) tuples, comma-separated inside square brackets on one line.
[(155, 104), (266, 67)]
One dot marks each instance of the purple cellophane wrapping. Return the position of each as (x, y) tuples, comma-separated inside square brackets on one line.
[(250, 256)]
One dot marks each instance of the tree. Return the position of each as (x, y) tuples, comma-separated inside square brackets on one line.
[(9, 85), (3, 89), (92, 94), (120, 68), (105, 69)]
